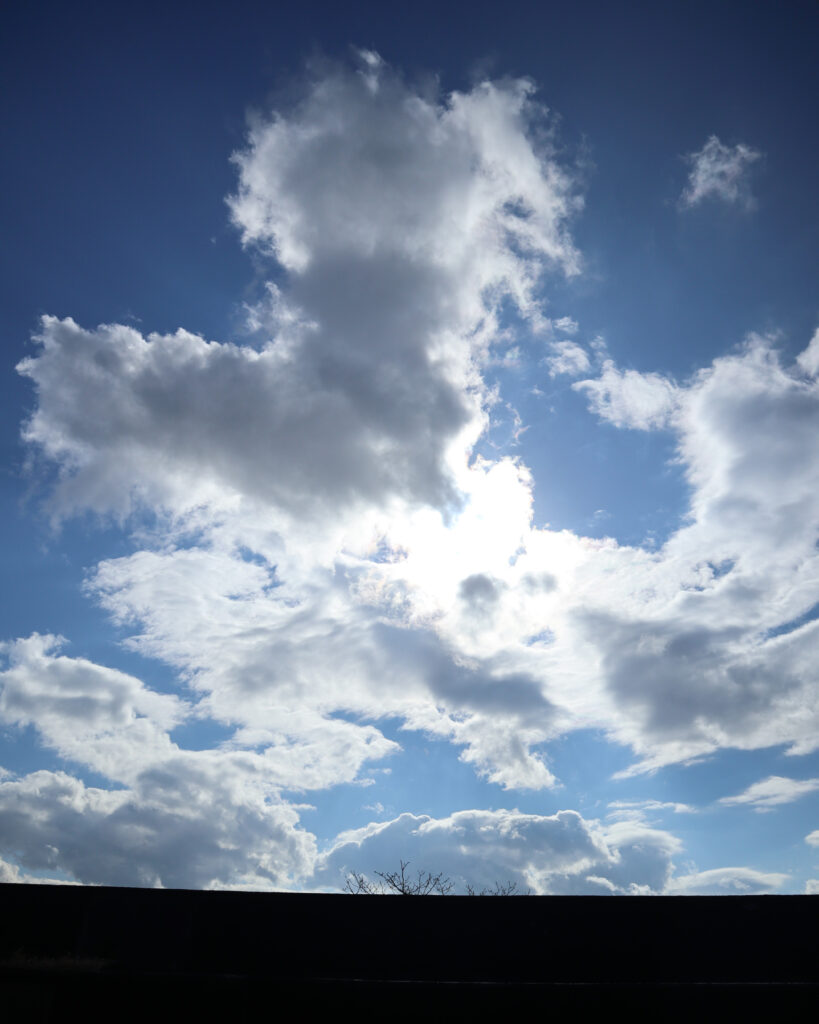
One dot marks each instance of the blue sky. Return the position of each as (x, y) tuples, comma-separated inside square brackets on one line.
[(409, 446)]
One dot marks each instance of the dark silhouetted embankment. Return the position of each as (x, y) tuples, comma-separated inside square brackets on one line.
[(135, 953)]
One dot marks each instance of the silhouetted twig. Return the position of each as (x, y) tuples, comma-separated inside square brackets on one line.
[(423, 883)]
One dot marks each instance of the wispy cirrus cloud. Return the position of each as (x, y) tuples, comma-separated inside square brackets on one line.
[(772, 792), (641, 808), (737, 881)]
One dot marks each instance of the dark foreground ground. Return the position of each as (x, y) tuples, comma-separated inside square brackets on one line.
[(123, 954)]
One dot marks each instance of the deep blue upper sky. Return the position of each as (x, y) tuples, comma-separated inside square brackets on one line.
[(117, 126)]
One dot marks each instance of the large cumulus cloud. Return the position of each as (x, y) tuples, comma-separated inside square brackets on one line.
[(559, 854), (192, 827), (402, 221), (173, 816), (713, 645)]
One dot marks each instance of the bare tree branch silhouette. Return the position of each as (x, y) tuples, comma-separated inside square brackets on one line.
[(422, 883)]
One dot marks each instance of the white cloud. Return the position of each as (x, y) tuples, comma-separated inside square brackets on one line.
[(403, 221), (98, 716), (395, 174), (639, 809), (812, 838), (183, 422), (772, 792), (430, 618), (812, 887), (561, 853), (112, 723), (276, 660), (567, 357), (11, 873), (808, 360), (705, 643), (181, 817), (566, 324), (196, 826), (722, 881), (720, 172), (626, 398)]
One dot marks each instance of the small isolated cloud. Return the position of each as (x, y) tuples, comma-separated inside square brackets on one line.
[(720, 172), (566, 325), (812, 839), (567, 357), (626, 398), (773, 791), (812, 887)]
